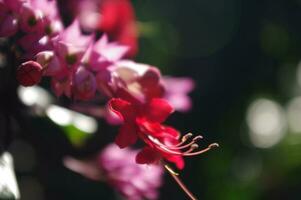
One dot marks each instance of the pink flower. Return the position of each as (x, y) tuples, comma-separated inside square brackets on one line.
[(102, 54), (118, 168), (87, 12), (135, 182), (130, 80), (31, 20), (84, 85), (41, 21), (62, 86), (51, 21), (70, 46), (177, 90), (50, 63)]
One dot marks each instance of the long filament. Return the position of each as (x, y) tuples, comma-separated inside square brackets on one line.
[(180, 183)]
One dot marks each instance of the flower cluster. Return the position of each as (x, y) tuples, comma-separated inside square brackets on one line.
[(81, 64), (34, 21)]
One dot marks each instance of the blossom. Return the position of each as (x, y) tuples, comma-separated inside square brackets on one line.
[(131, 80), (62, 85), (135, 182), (144, 121), (70, 45), (177, 90), (84, 87), (103, 53), (31, 20), (118, 168)]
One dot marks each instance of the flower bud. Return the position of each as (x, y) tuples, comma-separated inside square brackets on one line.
[(31, 20), (50, 63), (44, 57), (29, 73), (8, 26)]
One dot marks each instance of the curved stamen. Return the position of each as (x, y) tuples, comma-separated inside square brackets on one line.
[(198, 137), (184, 139), (181, 144), (163, 147), (180, 147), (192, 148), (213, 145), (169, 150)]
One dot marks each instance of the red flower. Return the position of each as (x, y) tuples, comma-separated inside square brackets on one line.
[(144, 121), (118, 21)]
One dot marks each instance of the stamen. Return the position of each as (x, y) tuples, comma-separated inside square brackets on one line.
[(184, 139), (187, 136), (192, 148), (211, 146), (181, 147), (170, 150), (198, 137), (163, 147)]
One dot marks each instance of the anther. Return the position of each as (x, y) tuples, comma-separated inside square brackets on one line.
[(191, 149), (213, 145), (194, 146), (186, 137), (198, 137)]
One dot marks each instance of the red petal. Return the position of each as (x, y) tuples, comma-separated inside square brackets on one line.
[(154, 92), (152, 128), (157, 130), (147, 156), (127, 135), (158, 110), (170, 132), (122, 108), (177, 160)]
